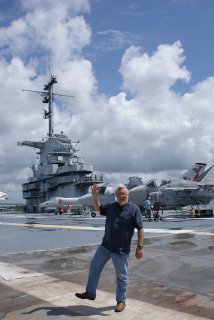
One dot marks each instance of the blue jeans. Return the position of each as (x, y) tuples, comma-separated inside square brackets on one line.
[(120, 262)]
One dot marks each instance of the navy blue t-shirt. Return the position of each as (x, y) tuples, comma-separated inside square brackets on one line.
[(120, 225)]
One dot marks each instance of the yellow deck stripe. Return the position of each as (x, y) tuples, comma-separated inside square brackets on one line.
[(32, 225)]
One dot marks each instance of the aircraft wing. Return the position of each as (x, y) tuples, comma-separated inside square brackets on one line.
[(182, 189)]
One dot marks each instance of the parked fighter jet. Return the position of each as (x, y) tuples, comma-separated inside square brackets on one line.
[(195, 186), (106, 195), (156, 188), (185, 193), (3, 196), (173, 194), (61, 202)]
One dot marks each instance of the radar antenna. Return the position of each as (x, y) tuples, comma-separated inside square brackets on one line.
[(48, 97)]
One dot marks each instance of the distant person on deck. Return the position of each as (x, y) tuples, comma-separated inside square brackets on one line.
[(156, 209), (122, 217), (69, 209), (147, 208), (60, 210)]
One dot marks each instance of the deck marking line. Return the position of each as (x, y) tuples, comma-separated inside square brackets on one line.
[(32, 225)]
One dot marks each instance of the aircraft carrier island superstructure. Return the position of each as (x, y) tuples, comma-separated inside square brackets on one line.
[(59, 172)]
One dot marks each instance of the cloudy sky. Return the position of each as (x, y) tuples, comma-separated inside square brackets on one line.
[(142, 76)]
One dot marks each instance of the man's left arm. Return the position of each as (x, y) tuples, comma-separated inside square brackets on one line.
[(140, 240)]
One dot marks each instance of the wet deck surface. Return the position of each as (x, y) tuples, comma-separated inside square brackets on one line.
[(174, 280)]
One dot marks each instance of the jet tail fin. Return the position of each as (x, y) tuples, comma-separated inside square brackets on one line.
[(134, 182), (195, 172), (208, 176)]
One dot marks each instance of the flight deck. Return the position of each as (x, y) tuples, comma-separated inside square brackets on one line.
[(44, 260)]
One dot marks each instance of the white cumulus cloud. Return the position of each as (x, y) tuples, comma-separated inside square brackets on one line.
[(146, 129)]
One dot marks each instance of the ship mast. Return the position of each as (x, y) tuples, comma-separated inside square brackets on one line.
[(48, 97)]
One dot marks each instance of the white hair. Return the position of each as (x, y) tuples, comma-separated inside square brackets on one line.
[(121, 186)]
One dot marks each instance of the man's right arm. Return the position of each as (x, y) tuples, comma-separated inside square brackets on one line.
[(96, 203)]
